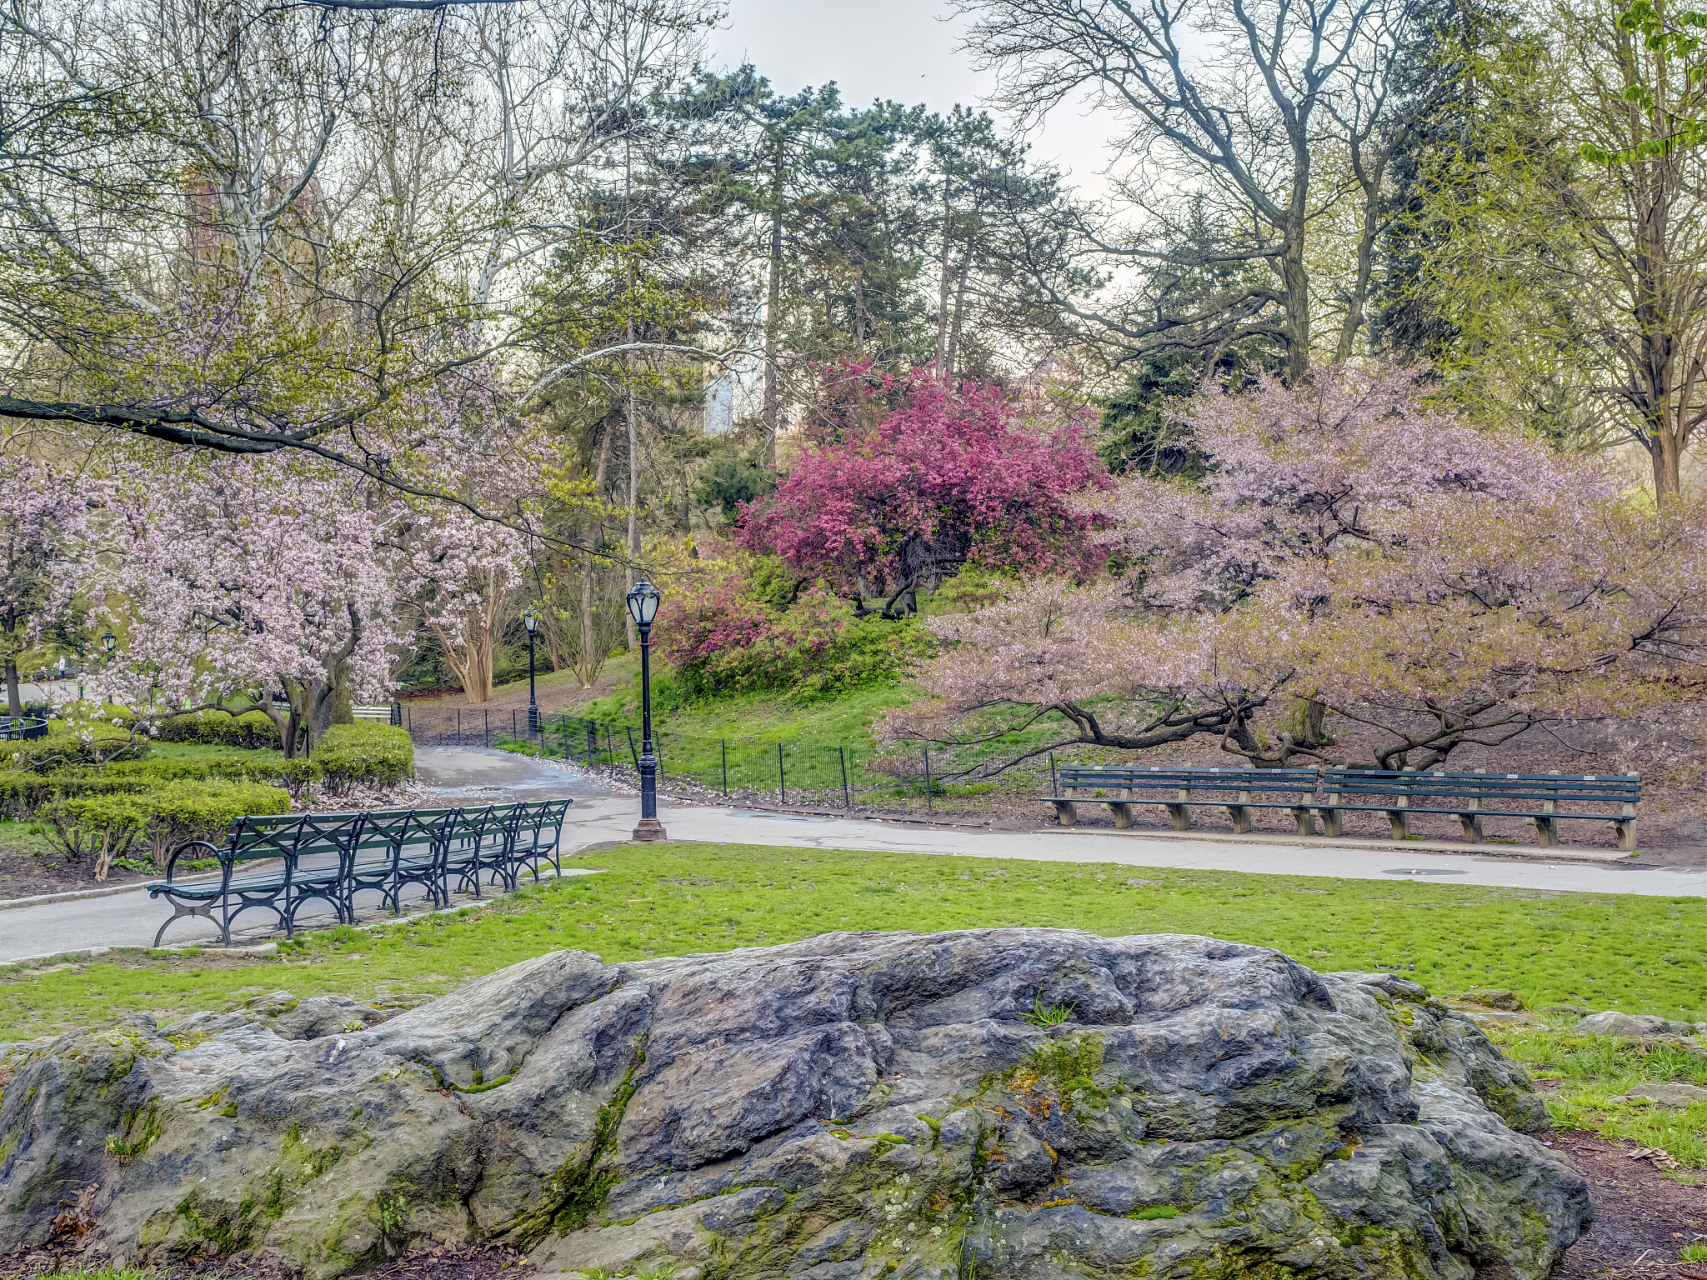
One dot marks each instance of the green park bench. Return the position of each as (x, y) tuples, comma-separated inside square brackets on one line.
[(1400, 794), (1237, 790), (282, 862), (1470, 797)]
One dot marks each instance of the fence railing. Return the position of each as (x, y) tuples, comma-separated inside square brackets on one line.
[(762, 769)]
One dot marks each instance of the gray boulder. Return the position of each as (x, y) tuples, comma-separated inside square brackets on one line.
[(1670, 1095), (857, 1105), (1613, 1023)]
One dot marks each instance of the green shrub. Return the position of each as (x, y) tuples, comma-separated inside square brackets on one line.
[(65, 748), (23, 794), (364, 754), (105, 826), (202, 810), (251, 731)]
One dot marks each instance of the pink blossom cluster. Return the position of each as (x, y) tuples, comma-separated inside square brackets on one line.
[(880, 502)]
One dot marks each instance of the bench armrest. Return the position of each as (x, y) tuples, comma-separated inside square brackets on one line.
[(177, 853)]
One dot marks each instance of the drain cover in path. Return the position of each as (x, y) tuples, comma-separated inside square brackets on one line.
[(1422, 871)]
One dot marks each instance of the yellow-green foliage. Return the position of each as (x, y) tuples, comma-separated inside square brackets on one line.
[(364, 754), (165, 815)]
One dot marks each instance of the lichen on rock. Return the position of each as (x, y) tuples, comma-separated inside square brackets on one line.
[(852, 1106)]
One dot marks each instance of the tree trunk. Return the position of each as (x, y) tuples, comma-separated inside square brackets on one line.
[(14, 701), (1667, 461), (1360, 286), (1295, 284), (773, 300), (959, 313), (943, 277)]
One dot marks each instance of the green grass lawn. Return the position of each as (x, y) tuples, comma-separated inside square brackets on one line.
[(209, 751), (1638, 954)]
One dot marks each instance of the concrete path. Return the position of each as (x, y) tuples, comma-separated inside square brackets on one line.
[(612, 818), (601, 815)]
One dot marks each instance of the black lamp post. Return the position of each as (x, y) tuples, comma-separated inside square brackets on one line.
[(643, 600), (108, 642), (530, 620)]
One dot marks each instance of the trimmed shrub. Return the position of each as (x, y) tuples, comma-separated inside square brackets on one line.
[(104, 827), (364, 754), (23, 794), (64, 749), (251, 731)]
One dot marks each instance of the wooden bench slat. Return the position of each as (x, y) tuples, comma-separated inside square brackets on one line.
[(1468, 796)]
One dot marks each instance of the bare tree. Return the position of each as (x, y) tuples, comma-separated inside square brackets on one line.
[(1229, 102)]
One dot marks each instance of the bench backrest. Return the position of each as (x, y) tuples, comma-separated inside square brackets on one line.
[(1265, 780), (255, 839), (1416, 784), (389, 832)]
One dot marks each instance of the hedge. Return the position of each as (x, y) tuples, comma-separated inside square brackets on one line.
[(251, 731), (364, 754), (105, 826), (23, 794), (62, 748)]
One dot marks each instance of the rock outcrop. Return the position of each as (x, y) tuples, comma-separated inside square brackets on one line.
[(857, 1105), (1613, 1023)]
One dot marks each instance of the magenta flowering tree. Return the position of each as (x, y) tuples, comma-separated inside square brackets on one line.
[(45, 518), (1350, 552), (949, 477)]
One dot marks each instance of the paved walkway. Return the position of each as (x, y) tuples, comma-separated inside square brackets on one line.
[(600, 815)]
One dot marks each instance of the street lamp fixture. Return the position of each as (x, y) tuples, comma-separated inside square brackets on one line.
[(109, 642), (643, 600), (530, 620)]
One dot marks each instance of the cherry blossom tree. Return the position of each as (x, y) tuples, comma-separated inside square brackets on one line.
[(234, 578), (1353, 551), (885, 503), (44, 520)]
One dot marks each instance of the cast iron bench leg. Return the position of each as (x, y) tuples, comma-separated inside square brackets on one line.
[(1121, 810), (1546, 832), (1181, 815), (1626, 829), (1401, 821), (1332, 824), (1472, 825), (1066, 813), (179, 912), (1306, 820)]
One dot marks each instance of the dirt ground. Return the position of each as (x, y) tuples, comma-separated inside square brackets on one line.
[(24, 874), (1671, 820), (1641, 1217)]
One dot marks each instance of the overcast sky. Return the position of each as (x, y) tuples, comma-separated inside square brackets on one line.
[(904, 50)]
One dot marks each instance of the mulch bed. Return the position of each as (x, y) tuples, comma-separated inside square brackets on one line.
[(24, 876), (1641, 1217)]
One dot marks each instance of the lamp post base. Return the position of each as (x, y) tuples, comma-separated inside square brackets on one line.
[(650, 829)]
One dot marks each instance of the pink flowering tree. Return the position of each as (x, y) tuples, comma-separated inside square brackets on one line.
[(235, 578), (44, 528), (882, 503), (1349, 552)]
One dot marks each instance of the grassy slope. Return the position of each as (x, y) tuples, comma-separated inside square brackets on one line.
[(768, 716)]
